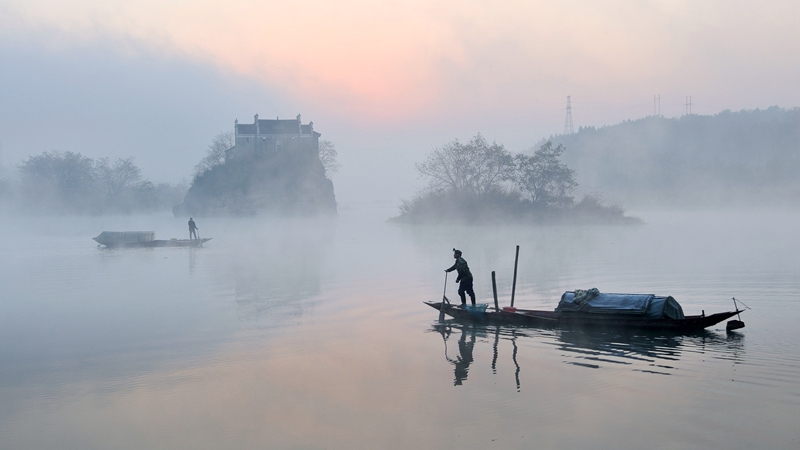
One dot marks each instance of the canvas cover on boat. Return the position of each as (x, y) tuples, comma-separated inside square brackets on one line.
[(124, 237), (648, 305), (668, 307)]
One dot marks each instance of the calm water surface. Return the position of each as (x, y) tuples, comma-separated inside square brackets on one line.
[(312, 334)]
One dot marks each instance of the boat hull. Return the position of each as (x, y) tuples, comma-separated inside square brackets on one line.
[(536, 318), (161, 243)]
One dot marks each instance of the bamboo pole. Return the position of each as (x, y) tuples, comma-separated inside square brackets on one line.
[(494, 290), (514, 284)]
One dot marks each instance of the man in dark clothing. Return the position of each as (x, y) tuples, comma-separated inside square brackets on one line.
[(192, 229), (464, 277)]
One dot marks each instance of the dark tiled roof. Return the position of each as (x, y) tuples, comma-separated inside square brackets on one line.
[(267, 126), (246, 128), (278, 126)]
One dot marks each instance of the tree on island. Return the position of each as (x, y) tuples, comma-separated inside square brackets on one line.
[(471, 169), (543, 178), (328, 157), (215, 154), (481, 182)]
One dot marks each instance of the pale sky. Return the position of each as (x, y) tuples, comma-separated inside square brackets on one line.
[(386, 81)]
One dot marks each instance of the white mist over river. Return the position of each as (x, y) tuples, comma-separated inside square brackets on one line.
[(308, 334)]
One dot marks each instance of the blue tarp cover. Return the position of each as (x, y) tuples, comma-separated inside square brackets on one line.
[(607, 303), (661, 307), (635, 304)]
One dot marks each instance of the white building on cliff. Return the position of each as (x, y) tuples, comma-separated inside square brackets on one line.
[(266, 136)]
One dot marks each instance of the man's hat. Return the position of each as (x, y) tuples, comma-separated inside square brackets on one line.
[(457, 251)]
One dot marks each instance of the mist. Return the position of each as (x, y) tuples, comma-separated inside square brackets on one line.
[(333, 157)]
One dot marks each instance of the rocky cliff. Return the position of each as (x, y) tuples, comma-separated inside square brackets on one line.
[(289, 182)]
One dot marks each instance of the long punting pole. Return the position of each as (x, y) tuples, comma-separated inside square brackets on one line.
[(444, 299), (494, 290), (514, 284)]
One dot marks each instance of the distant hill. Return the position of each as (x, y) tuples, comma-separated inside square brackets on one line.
[(745, 157)]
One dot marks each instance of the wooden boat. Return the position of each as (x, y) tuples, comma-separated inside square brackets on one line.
[(142, 239), (586, 317), (161, 243)]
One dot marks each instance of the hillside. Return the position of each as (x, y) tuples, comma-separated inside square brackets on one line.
[(745, 157)]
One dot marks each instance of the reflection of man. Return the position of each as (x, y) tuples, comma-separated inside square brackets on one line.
[(192, 229), (464, 277), (464, 356)]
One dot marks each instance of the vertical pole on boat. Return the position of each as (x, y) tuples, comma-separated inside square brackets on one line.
[(514, 284), (736, 308), (444, 299), (494, 291)]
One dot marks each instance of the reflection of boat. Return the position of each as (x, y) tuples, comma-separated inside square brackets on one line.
[(595, 310), (656, 352), (140, 239)]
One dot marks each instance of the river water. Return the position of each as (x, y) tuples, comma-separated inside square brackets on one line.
[(294, 334)]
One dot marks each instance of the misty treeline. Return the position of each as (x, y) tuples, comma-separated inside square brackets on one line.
[(477, 181), (731, 158), (71, 183)]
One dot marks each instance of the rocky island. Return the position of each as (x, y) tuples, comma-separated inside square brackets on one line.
[(273, 168)]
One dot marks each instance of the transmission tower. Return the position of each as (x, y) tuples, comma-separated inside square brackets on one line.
[(568, 128)]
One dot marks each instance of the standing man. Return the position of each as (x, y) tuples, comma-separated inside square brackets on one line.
[(192, 229), (464, 277)]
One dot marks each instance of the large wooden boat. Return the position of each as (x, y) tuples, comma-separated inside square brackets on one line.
[(650, 312), (142, 239)]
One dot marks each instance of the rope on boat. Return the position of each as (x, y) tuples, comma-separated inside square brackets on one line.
[(739, 301)]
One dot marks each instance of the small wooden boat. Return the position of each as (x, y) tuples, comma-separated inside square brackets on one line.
[(649, 312), (162, 243), (142, 239)]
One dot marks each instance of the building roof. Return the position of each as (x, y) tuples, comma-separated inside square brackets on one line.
[(246, 128), (276, 126)]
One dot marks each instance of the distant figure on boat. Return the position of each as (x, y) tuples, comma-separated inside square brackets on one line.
[(193, 229), (464, 277)]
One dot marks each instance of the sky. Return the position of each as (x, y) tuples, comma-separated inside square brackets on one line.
[(385, 81)]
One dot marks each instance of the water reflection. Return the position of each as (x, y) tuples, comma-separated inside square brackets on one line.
[(468, 334), (645, 351), (657, 353)]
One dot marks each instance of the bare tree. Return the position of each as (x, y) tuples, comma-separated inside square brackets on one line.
[(61, 181), (215, 155), (69, 172), (327, 156), (473, 168), (544, 178), (118, 177)]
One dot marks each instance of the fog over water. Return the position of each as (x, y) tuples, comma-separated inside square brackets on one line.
[(312, 334), (293, 333)]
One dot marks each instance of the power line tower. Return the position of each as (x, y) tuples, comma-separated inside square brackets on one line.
[(568, 128), (657, 105), (689, 104)]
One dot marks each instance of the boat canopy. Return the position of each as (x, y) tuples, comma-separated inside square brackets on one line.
[(647, 305)]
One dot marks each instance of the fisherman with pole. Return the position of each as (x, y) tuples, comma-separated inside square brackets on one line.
[(193, 229), (464, 278)]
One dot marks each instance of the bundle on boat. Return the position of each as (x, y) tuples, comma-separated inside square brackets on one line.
[(646, 305)]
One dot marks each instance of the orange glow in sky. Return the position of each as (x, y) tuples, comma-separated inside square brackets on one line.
[(390, 60)]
